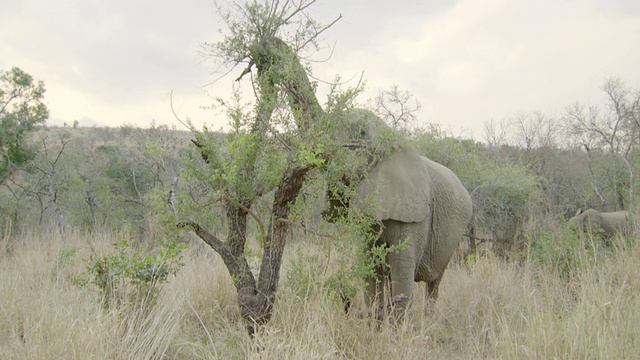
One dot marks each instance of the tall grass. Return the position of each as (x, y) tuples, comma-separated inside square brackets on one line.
[(486, 310)]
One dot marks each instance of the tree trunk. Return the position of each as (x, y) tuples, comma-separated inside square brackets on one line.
[(256, 305), (256, 300), (285, 195)]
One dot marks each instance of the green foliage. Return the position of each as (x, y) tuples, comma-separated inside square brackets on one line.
[(64, 259), (305, 274), (126, 130), (364, 261), (94, 186), (356, 254), (503, 193), (340, 268), (566, 251), (347, 282), (65, 256), (260, 20), (505, 201), (348, 254), (348, 277), (107, 149), (128, 276), (21, 111)]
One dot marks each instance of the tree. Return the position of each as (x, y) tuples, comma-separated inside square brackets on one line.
[(267, 154), (21, 111), (615, 130), (49, 182), (397, 108), (495, 133)]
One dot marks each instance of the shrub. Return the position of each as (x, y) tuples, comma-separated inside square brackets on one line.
[(564, 250), (132, 277)]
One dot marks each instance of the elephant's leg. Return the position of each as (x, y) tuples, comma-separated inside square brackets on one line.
[(402, 278), (445, 236), (402, 262), (432, 289)]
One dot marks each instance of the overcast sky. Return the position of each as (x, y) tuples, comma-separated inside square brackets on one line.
[(115, 62)]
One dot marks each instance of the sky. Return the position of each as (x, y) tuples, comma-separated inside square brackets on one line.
[(110, 63)]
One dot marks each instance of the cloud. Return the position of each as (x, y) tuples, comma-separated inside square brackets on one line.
[(467, 61), (479, 60), (115, 59)]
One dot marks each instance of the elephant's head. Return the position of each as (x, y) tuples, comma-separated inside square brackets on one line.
[(364, 133), (577, 221), (355, 135), (382, 169)]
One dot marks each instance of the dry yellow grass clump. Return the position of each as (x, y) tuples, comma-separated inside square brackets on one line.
[(487, 310)]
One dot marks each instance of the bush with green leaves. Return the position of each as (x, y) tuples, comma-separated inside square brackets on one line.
[(566, 251), (129, 276)]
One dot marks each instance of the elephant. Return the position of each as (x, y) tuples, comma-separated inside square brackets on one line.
[(611, 223), (416, 201)]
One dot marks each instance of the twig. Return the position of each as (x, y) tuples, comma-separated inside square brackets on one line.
[(176, 115)]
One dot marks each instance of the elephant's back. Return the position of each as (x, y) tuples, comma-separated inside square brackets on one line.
[(447, 184), (618, 221)]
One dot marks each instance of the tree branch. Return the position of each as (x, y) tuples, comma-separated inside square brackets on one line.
[(318, 33), (211, 240), (246, 71)]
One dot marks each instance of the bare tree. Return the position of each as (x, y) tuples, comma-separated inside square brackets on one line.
[(496, 133), (397, 108), (47, 180), (614, 129), (536, 130)]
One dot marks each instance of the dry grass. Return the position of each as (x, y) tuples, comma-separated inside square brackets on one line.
[(489, 310)]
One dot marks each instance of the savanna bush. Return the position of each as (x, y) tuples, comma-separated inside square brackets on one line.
[(565, 251), (132, 277), (503, 193)]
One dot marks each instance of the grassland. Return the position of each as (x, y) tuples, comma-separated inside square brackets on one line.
[(489, 309)]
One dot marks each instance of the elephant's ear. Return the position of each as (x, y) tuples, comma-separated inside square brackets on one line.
[(398, 188)]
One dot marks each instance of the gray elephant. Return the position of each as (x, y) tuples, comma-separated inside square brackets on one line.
[(611, 223), (415, 200)]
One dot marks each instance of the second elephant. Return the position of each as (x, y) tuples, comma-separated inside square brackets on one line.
[(611, 223)]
